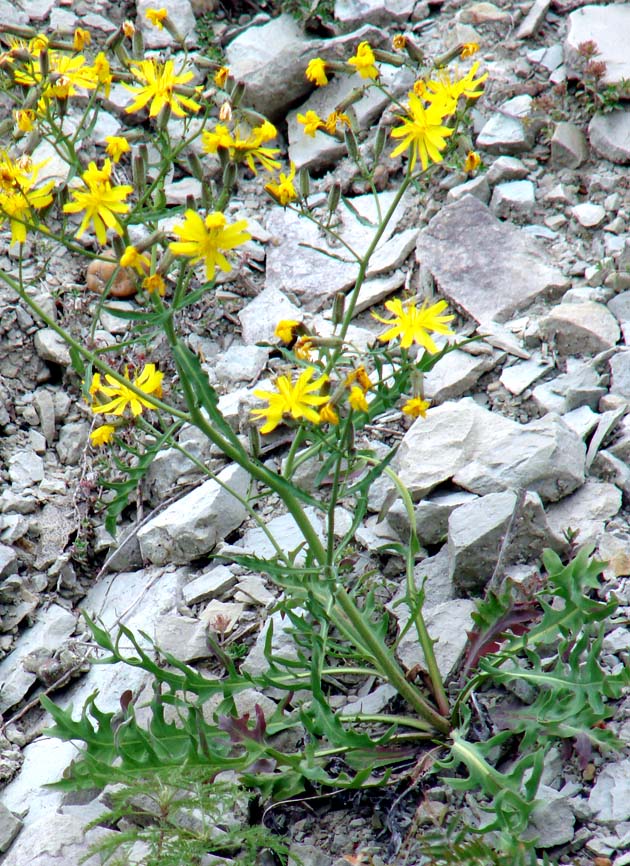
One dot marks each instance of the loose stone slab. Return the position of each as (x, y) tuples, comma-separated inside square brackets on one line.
[(585, 328), (193, 525), (610, 796), (545, 456), (487, 268), (381, 12), (450, 623), (608, 27), (260, 317), (609, 135), (586, 510), (509, 130)]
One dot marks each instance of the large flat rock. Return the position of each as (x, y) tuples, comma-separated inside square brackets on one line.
[(486, 268), (608, 26)]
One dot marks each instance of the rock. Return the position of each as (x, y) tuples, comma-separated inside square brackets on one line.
[(180, 13), (545, 456), (57, 839), (183, 637), (549, 57), (192, 526), (43, 402), (610, 796), (52, 628), (377, 289), (26, 469), (282, 645), (620, 374), (286, 532), (477, 186), (431, 516), (483, 13), (436, 447), (8, 561), (456, 373), (510, 130), (380, 12), (506, 168), (609, 135), (10, 826), (552, 821), (374, 702), (51, 347), (589, 215), (534, 19), (517, 377), (259, 318), (179, 191), (579, 386), (476, 532), (485, 267), (516, 198), (312, 275), (586, 510), (212, 584), (569, 148), (73, 439), (450, 623), (240, 363), (221, 617), (607, 26), (586, 328)]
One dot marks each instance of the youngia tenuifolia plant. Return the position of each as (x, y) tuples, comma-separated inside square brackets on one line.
[(112, 211)]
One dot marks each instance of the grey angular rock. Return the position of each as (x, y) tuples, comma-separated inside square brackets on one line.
[(585, 328), (50, 347), (26, 468), (380, 12), (609, 135), (545, 456), (431, 515), (487, 268), (579, 386), (240, 363), (450, 623), (553, 821), (534, 19), (182, 636), (516, 198), (181, 15), (259, 318), (506, 168), (286, 532), (8, 560), (476, 532), (10, 826), (56, 840), (510, 130), (197, 522), (282, 645), (620, 374), (73, 437), (588, 214), (517, 377), (610, 796), (436, 447), (210, 585), (477, 186), (586, 510), (456, 373), (569, 148), (607, 26)]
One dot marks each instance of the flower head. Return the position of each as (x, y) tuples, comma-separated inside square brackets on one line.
[(316, 72), (244, 147), (328, 415), (283, 189), (303, 348), (416, 407), (285, 329), (472, 161), (363, 61), (207, 240), (102, 71), (221, 76), (295, 400), (25, 119), (468, 49), (158, 86), (156, 17), (100, 200), (357, 399), (359, 377), (128, 28), (399, 42), (149, 381), (154, 283), (446, 90), (116, 146), (81, 38), (131, 258), (19, 194), (422, 132), (102, 435), (311, 121), (412, 325)]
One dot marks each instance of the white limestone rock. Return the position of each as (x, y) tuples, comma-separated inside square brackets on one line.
[(586, 328)]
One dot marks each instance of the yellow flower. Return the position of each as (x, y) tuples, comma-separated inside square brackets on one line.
[(335, 117), (25, 119), (357, 399), (19, 195), (363, 61), (399, 41), (327, 414), (472, 161), (302, 348), (207, 240), (311, 122), (81, 39), (244, 149), (283, 190), (154, 283), (159, 81), (102, 72), (296, 400), (423, 133), (102, 435), (359, 376), (128, 28), (412, 324), (416, 407), (156, 17), (447, 90), (116, 146), (131, 258), (316, 71), (221, 76), (100, 201), (468, 49), (149, 381), (285, 329)]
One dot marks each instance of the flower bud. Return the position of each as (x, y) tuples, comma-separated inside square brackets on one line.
[(196, 168), (339, 305), (139, 172), (352, 145), (304, 183), (379, 142), (333, 197), (236, 94), (137, 44)]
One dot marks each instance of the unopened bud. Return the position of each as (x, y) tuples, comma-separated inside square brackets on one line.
[(119, 246), (225, 112), (380, 141), (164, 116), (229, 176), (137, 44), (414, 52), (254, 440), (208, 195), (339, 306), (139, 172), (333, 197), (304, 183), (236, 94), (115, 39), (352, 145), (44, 62), (196, 168), (191, 203)]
